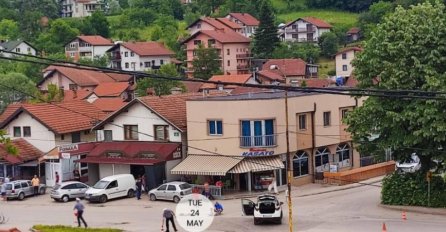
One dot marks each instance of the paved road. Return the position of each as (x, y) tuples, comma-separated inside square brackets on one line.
[(349, 210)]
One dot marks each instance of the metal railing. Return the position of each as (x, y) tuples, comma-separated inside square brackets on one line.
[(258, 141)]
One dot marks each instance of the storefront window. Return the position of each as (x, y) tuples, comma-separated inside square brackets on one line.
[(300, 164), (343, 153), (321, 159)]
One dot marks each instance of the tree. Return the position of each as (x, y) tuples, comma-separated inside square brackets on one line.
[(369, 19), (161, 86), (9, 29), (53, 94), (98, 61), (406, 51), (56, 37), (306, 51), (10, 148), (206, 62), (114, 7), (329, 44), (265, 38), (100, 24), (15, 87)]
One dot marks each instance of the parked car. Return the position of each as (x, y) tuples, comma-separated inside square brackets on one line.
[(173, 191), (68, 190), (267, 208), (19, 189), (112, 187), (411, 164)]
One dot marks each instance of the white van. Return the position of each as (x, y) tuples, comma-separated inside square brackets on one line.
[(111, 187)]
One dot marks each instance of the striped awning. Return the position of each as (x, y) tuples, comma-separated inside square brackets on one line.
[(258, 164), (207, 165)]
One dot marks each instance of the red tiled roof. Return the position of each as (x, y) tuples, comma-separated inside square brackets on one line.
[(317, 22), (271, 75), (222, 36), (10, 109), (84, 77), (192, 87), (26, 152), (81, 94), (109, 104), (241, 78), (61, 118), (111, 89), (288, 67), (148, 48), (353, 82), (246, 19), (96, 40), (353, 30), (356, 49), (229, 23)]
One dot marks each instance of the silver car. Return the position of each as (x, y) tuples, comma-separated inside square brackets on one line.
[(172, 191), (68, 190), (19, 189)]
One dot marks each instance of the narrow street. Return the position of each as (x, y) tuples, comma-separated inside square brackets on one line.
[(352, 210)]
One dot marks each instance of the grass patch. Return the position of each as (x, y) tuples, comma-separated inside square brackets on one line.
[(325, 65), (60, 228), (336, 18)]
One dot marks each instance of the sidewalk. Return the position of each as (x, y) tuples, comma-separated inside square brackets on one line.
[(307, 190), (415, 209)]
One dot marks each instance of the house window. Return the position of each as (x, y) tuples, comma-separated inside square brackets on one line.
[(161, 132), (132, 54), (72, 86), (26, 131), (344, 67), (344, 113), (84, 166), (146, 64), (229, 63), (215, 127), (257, 133), (62, 137), (194, 53), (197, 42), (17, 131), (72, 45), (343, 153), (211, 42), (327, 119), (161, 62), (198, 25), (75, 137), (133, 65), (72, 54), (321, 159), (108, 135), (130, 132), (344, 56), (294, 36), (302, 121), (17, 50), (300, 164), (228, 52), (28, 49), (126, 54), (126, 65)]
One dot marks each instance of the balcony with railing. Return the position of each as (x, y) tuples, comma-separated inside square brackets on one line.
[(243, 67), (258, 141), (115, 56), (243, 56)]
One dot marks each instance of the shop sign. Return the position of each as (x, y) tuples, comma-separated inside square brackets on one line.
[(147, 156), (257, 152), (65, 155), (69, 147), (177, 154), (113, 155)]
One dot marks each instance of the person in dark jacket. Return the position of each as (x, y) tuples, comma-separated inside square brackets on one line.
[(79, 212), (138, 188)]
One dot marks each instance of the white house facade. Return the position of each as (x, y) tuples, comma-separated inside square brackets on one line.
[(305, 30), (21, 47), (79, 8)]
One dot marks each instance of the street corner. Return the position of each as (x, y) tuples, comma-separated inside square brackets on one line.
[(415, 209)]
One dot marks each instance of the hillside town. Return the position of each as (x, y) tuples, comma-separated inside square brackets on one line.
[(283, 121)]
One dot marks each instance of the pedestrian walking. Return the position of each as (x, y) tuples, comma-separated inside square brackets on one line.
[(138, 188), (168, 215), (273, 185), (57, 178), (35, 182), (3, 192), (143, 182), (79, 212), (76, 175)]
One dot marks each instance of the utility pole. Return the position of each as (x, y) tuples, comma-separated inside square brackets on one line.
[(288, 162)]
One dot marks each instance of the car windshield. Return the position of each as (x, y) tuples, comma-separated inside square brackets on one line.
[(56, 187), (101, 184), (185, 186)]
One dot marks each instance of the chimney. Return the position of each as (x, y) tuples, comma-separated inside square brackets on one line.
[(150, 91), (175, 90)]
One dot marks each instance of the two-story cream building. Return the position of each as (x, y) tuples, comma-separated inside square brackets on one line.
[(344, 58), (242, 138)]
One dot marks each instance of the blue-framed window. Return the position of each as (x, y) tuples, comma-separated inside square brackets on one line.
[(215, 127), (257, 133)]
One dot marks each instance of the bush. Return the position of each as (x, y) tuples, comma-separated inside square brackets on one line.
[(331, 72), (411, 189), (60, 228)]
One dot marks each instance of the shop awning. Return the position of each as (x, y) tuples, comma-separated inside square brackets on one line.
[(207, 165), (33, 163), (258, 164), (129, 161)]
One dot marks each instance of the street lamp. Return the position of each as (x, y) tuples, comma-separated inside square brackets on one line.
[(288, 156)]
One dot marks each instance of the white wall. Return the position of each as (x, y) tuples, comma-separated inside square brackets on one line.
[(41, 137), (23, 50), (169, 165), (302, 36), (138, 60), (145, 119), (100, 50), (113, 169)]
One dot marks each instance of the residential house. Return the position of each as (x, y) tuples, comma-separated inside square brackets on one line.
[(73, 78), (22, 165), (344, 58), (47, 126), (17, 46), (152, 120), (353, 34), (87, 47), (140, 56), (308, 29), (248, 22), (79, 8), (232, 47), (208, 23), (241, 138), (287, 71), (240, 79)]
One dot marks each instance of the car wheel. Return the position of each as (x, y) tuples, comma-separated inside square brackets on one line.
[(152, 197), (21, 196), (176, 199), (65, 198), (103, 199), (42, 191), (256, 221), (131, 193)]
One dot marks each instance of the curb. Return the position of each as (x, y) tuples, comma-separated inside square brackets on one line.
[(415, 209)]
